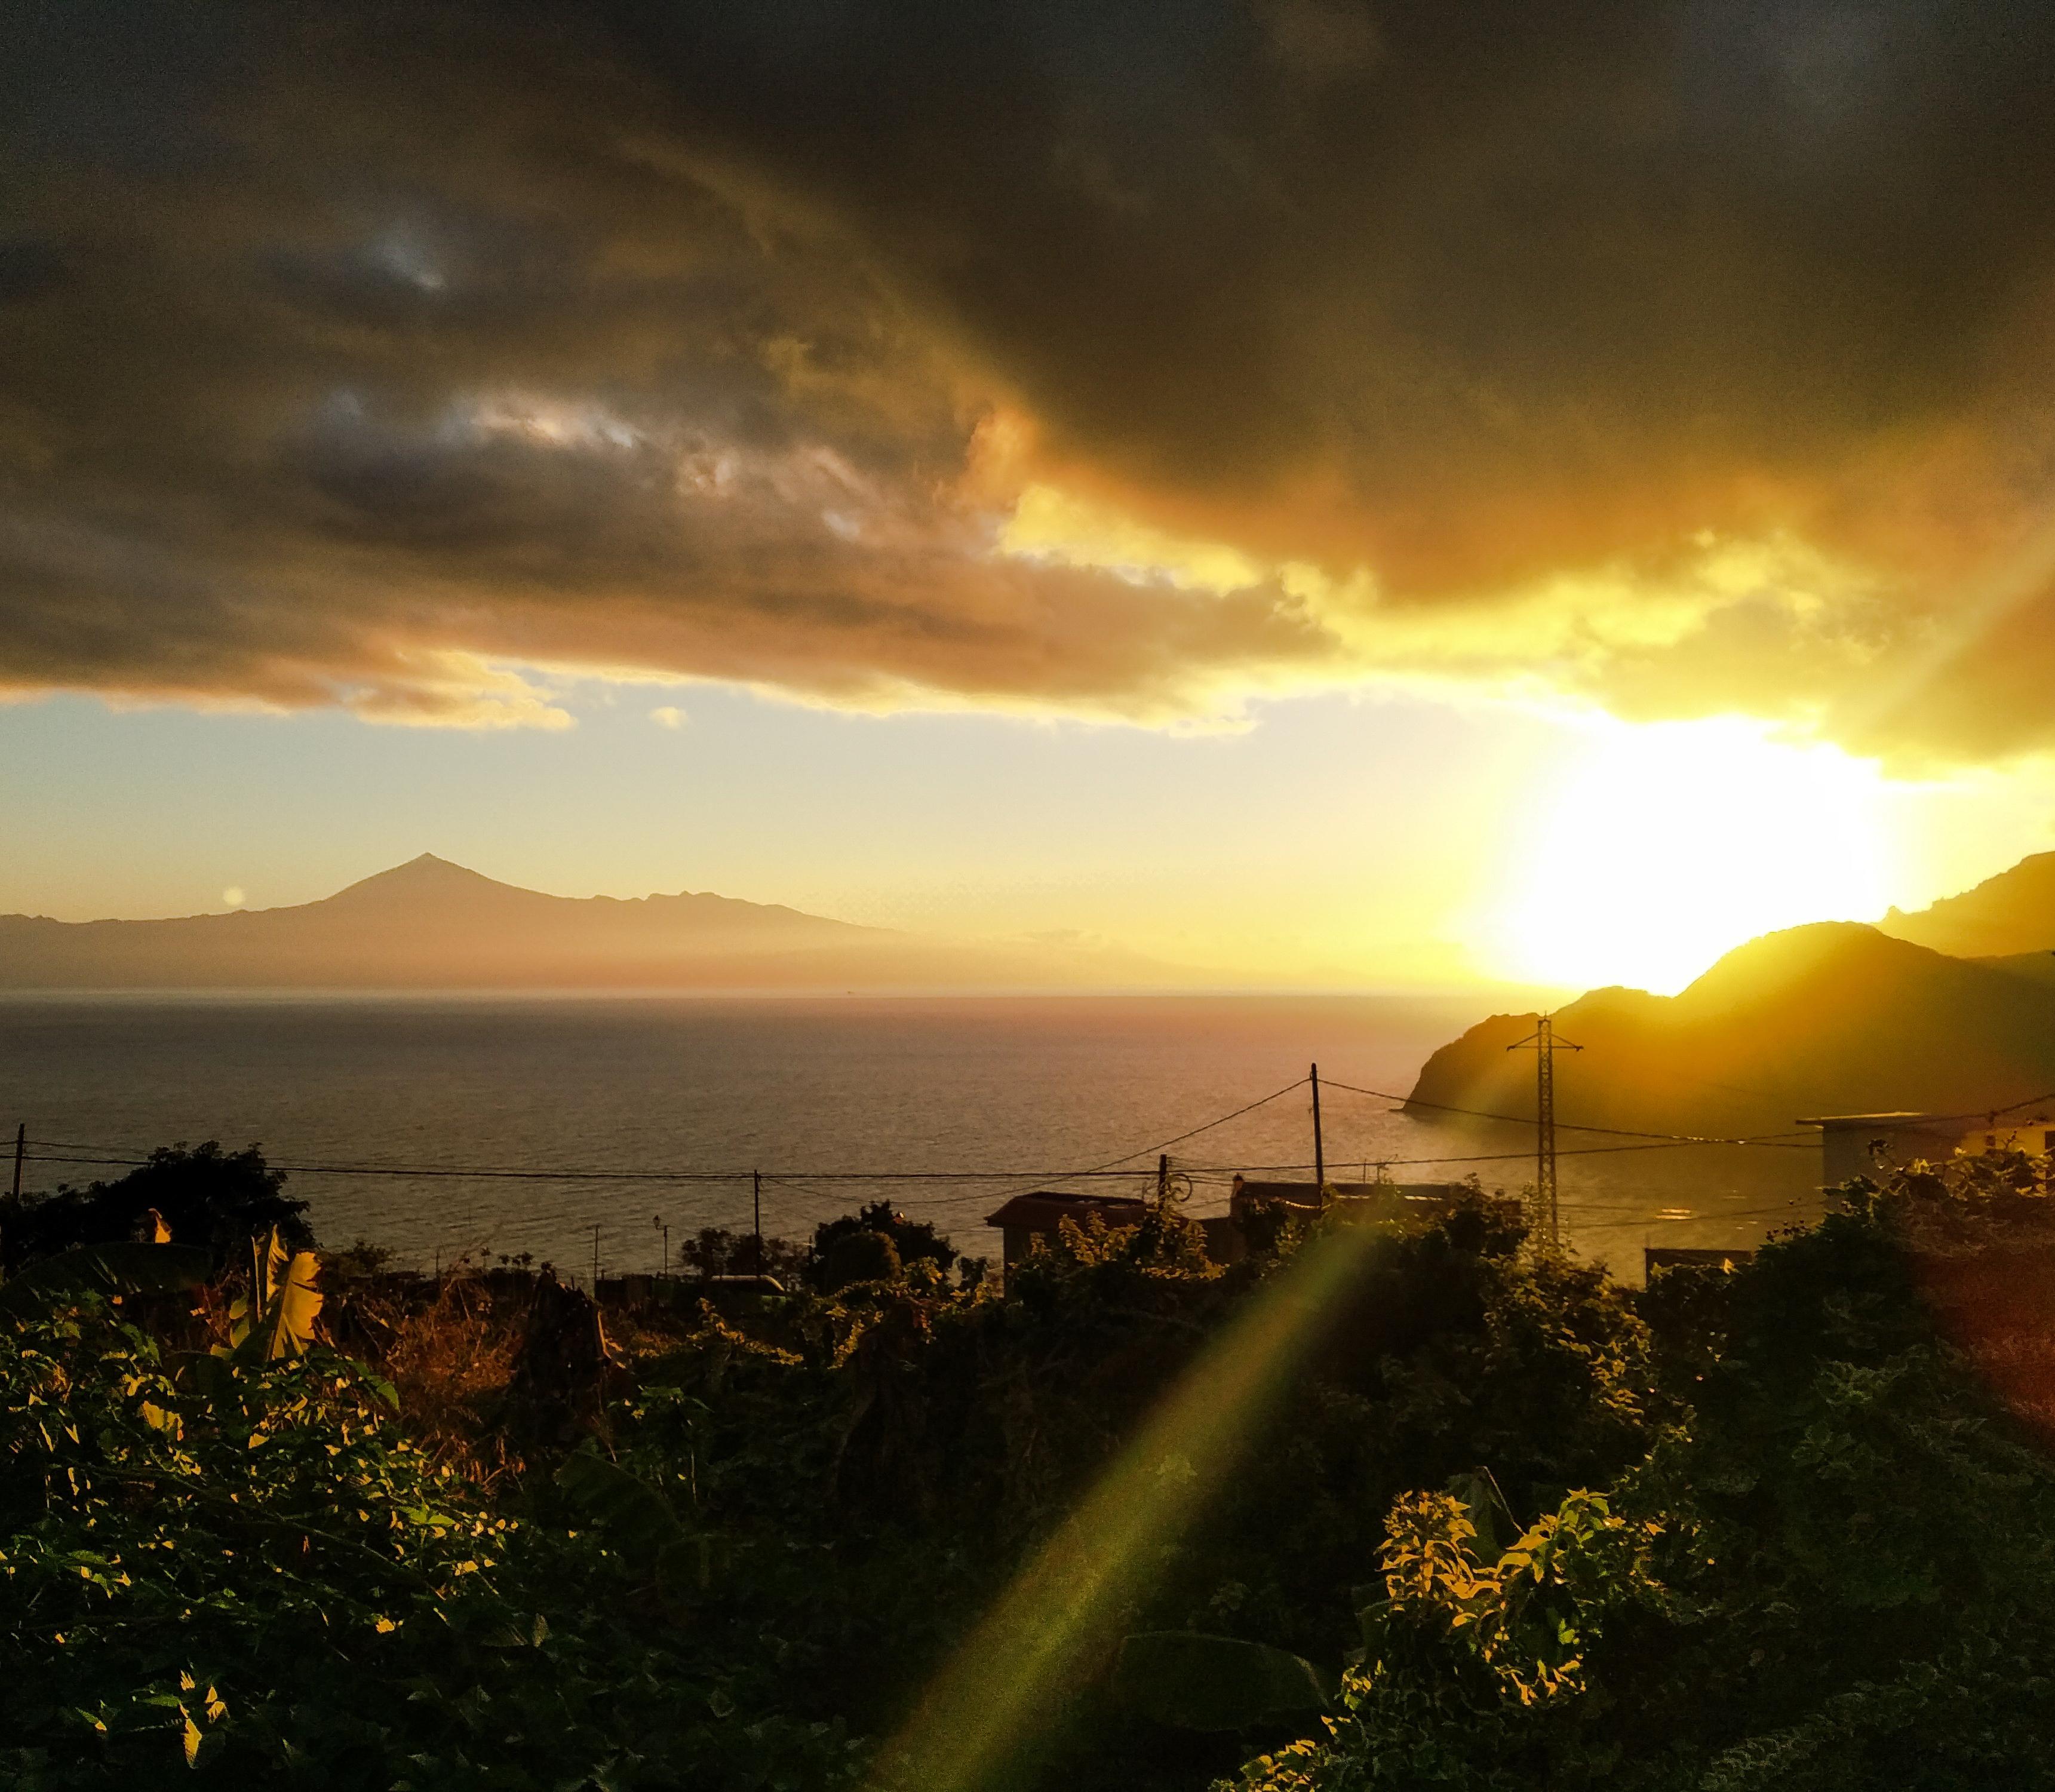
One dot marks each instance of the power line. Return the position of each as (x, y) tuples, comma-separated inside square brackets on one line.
[(1570, 1125), (86, 1155), (1507, 1157), (462, 1172), (50, 1151), (1912, 1122), (1543, 1042), (1589, 1151), (495, 1173), (802, 1181), (477, 1173), (1151, 1150)]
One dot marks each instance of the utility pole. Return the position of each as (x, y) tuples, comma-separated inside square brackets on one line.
[(1544, 1044), (21, 1148), (595, 1260), (757, 1226), (1319, 1153), (659, 1223)]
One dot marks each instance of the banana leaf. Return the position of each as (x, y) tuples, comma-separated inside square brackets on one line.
[(637, 1518), (633, 1511), (108, 1269), (276, 1319), (1192, 1681)]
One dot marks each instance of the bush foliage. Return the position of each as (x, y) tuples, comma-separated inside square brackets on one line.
[(202, 1195), (1519, 1526), (1834, 1568)]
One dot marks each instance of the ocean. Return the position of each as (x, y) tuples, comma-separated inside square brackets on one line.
[(595, 1098)]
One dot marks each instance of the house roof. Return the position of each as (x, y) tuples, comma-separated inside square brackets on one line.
[(1045, 1209), (1902, 1122), (1897, 1118)]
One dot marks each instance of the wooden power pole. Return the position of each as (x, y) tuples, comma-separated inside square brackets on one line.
[(21, 1151), (1320, 1152)]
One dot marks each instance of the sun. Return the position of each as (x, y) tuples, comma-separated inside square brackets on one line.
[(1666, 844)]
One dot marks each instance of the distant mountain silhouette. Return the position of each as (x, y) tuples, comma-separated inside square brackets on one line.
[(429, 923), (2010, 914), (1836, 1017)]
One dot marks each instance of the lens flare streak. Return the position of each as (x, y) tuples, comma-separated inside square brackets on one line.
[(1063, 1613)]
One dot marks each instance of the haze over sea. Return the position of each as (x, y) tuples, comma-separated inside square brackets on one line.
[(801, 1088)]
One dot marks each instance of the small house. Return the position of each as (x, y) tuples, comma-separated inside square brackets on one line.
[(1027, 1218), (1872, 1145)]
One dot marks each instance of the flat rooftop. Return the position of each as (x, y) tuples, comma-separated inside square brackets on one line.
[(1898, 1117)]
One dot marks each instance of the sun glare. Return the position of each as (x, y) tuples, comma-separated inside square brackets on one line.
[(1667, 844)]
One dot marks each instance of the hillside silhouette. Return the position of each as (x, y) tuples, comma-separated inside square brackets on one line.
[(2010, 915), (430, 924), (1835, 1016)]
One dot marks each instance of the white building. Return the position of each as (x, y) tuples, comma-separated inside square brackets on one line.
[(1852, 1145)]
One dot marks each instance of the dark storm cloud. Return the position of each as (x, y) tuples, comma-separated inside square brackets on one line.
[(1691, 357)]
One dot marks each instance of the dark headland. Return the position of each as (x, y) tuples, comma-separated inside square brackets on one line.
[(1834, 1017)]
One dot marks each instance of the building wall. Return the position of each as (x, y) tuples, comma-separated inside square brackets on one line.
[(1847, 1152)]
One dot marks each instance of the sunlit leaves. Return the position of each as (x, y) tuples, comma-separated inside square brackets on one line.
[(343, 1612), (275, 1317)]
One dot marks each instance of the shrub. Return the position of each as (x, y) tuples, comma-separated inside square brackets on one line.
[(857, 1257), (715, 1251), (1835, 1569), (203, 1194), (256, 1571), (911, 1240)]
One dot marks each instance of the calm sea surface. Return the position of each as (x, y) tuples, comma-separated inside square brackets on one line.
[(802, 1090)]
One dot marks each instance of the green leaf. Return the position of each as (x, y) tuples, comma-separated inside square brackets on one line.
[(289, 1321), (1192, 1681), (109, 1270), (1489, 1516), (283, 1282), (633, 1511), (203, 1373), (529, 1635)]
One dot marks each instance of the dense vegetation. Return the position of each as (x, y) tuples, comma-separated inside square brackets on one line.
[(204, 1196), (1793, 1527)]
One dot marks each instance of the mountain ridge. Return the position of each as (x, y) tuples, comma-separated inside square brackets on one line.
[(2010, 914), (431, 923), (1833, 1016)]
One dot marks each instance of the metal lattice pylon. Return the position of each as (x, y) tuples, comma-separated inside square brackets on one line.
[(1543, 1044)]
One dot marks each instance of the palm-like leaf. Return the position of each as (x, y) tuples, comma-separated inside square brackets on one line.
[(1192, 1681), (108, 1269)]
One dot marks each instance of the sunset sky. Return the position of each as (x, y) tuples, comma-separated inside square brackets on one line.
[(1363, 493)]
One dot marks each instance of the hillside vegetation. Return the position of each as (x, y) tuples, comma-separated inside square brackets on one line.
[(1494, 1521)]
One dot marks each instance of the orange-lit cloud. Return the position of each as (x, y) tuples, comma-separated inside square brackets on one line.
[(1128, 363)]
